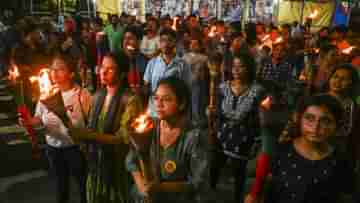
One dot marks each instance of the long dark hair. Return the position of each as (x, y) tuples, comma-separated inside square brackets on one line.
[(180, 89), (354, 78), (122, 67), (293, 129), (247, 60)]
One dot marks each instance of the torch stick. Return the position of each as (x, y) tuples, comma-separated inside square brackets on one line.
[(141, 125), (214, 69), (24, 112)]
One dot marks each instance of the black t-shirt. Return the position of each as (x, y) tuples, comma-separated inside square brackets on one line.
[(296, 179)]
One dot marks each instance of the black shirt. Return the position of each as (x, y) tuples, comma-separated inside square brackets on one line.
[(296, 179)]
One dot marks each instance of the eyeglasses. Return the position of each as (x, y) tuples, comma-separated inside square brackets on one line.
[(324, 121), (163, 99)]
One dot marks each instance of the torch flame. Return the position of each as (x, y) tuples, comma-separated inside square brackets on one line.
[(348, 50), (302, 77), (14, 73), (266, 37), (174, 23), (45, 83), (130, 48), (266, 103), (143, 123), (313, 14), (212, 31), (47, 89), (278, 40)]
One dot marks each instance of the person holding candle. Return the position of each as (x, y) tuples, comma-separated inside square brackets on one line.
[(238, 122), (308, 168), (107, 135), (64, 155), (177, 158)]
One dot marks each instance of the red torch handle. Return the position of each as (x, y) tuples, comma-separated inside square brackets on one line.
[(26, 115)]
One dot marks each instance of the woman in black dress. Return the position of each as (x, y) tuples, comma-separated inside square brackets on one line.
[(308, 169)]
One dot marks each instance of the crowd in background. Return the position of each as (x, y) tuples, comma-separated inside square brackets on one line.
[(285, 94)]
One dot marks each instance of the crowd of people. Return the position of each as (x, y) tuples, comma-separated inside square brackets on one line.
[(218, 95)]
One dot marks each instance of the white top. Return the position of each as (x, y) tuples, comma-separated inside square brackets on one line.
[(150, 46), (57, 134)]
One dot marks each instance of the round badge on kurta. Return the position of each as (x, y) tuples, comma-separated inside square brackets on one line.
[(170, 166)]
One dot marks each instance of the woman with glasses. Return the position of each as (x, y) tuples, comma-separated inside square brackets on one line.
[(176, 166), (238, 122), (308, 168), (112, 109)]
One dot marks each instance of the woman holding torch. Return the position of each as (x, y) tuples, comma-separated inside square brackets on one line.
[(107, 137), (64, 155), (308, 168), (177, 159), (238, 122)]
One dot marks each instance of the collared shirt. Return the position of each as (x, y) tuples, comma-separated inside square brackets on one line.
[(157, 69)]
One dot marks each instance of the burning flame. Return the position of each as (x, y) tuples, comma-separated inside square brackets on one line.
[(302, 77), (313, 14), (143, 123), (174, 23), (46, 87), (266, 37), (14, 73), (348, 50), (266, 103), (278, 40), (212, 32), (130, 48), (316, 50)]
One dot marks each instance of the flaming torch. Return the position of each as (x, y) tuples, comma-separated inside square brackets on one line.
[(24, 112), (174, 25), (51, 96), (278, 40), (266, 103), (313, 14), (142, 125), (348, 50), (212, 32)]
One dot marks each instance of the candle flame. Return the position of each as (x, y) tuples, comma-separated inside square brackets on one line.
[(313, 14), (212, 32), (143, 123), (316, 50), (348, 50), (14, 73)]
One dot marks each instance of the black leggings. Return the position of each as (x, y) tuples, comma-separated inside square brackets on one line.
[(238, 168)]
